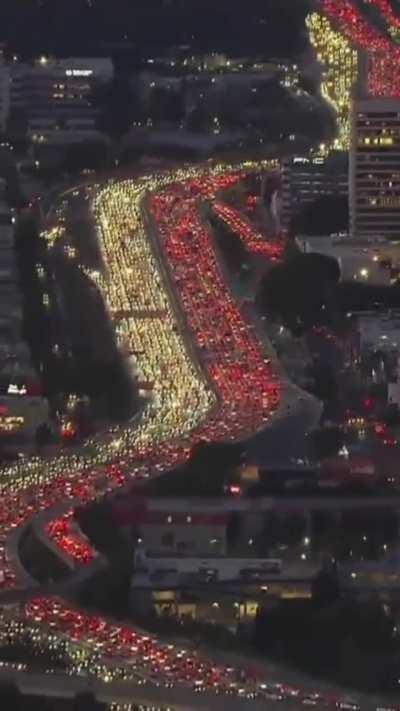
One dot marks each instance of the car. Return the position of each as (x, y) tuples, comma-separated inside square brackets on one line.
[(273, 696), (290, 691), (348, 705), (271, 692), (309, 700)]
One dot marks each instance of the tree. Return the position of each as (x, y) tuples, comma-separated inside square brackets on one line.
[(326, 442), (27, 242), (29, 249), (91, 155), (233, 528), (199, 119), (209, 456), (118, 104), (210, 467), (10, 697), (352, 296), (300, 292), (325, 588), (294, 529), (272, 533), (325, 381), (9, 173), (43, 435), (325, 215), (327, 637), (166, 105)]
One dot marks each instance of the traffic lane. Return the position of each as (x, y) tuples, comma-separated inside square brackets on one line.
[(205, 700), (125, 692), (287, 678)]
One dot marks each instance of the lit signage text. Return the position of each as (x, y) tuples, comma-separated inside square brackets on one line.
[(79, 72)]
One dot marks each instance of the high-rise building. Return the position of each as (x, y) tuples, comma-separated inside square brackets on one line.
[(374, 185), (307, 179)]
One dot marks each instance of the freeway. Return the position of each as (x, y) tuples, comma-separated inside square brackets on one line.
[(228, 396), (146, 695), (208, 378), (382, 52), (205, 376)]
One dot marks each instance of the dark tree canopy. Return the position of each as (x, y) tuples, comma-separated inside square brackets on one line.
[(118, 105), (326, 215), (304, 291), (211, 466), (325, 588), (92, 156), (299, 291), (348, 641)]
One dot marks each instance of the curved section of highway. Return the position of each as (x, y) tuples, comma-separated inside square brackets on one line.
[(206, 377), (234, 379), (226, 394), (383, 53)]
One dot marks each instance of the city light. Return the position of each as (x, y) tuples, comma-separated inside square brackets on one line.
[(340, 71), (253, 241), (207, 380), (198, 363), (382, 53)]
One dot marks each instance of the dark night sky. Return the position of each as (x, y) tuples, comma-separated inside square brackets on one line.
[(237, 26)]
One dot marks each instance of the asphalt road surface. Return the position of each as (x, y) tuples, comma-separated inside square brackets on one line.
[(285, 440)]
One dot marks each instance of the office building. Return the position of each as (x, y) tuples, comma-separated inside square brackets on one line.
[(58, 85), (379, 332), (184, 534), (213, 82), (374, 182), (54, 97), (376, 262), (307, 179)]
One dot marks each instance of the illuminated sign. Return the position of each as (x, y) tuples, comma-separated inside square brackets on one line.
[(79, 72)]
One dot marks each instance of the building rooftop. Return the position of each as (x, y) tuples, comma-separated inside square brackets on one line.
[(365, 260)]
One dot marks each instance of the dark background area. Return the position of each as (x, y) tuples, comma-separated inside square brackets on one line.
[(264, 27)]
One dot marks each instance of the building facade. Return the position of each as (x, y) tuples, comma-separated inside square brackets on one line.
[(183, 534), (22, 405), (54, 97), (374, 184), (4, 95), (374, 263), (307, 179)]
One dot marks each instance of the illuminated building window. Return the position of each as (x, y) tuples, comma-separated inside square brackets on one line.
[(10, 424)]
